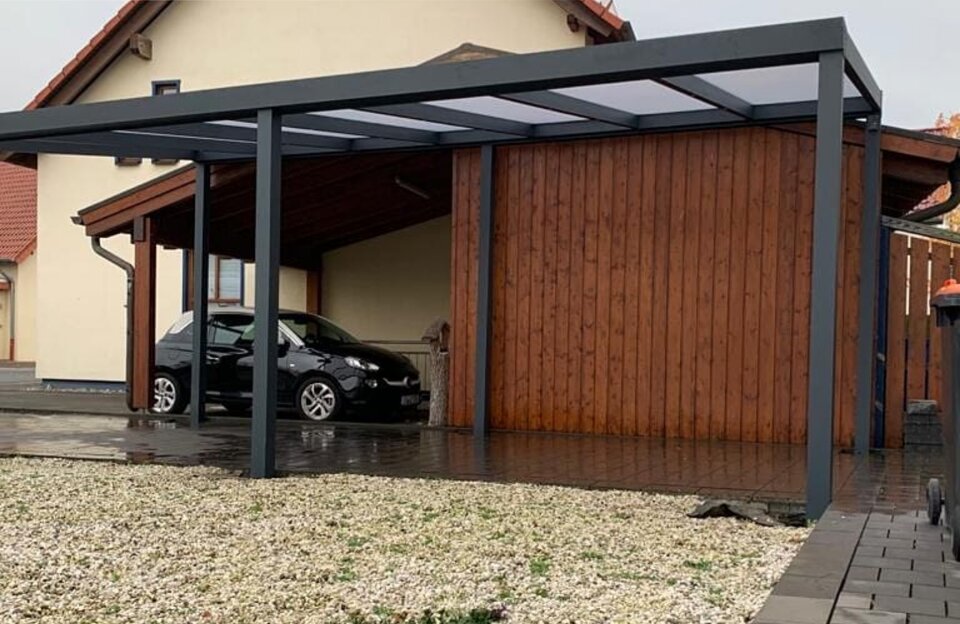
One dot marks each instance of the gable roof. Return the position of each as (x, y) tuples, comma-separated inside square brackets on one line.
[(135, 15), (112, 39), (18, 212)]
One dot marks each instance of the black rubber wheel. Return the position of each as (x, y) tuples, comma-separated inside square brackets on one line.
[(934, 501), (168, 395)]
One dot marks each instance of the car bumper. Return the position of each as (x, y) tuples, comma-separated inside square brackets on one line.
[(378, 393)]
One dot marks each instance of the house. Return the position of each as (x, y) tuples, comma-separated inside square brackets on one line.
[(18, 263), (650, 269), (163, 47), (679, 238)]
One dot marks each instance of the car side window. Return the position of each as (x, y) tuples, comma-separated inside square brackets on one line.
[(185, 335), (230, 330)]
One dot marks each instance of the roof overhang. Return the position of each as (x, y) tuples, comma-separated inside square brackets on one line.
[(744, 76)]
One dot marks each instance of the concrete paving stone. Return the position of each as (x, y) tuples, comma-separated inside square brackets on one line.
[(932, 619), (877, 587), (870, 532), (953, 609), (899, 604), (883, 562), (913, 553), (871, 551), (936, 566), (886, 542), (794, 610), (846, 615), (936, 593), (863, 573), (934, 579), (827, 536), (952, 578), (807, 587), (854, 601)]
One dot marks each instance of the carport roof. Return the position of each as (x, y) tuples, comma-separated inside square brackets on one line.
[(762, 75)]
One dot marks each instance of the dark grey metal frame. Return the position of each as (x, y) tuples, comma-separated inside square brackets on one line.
[(180, 126)]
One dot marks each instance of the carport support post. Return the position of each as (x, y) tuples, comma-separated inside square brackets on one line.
[(823, 305), (267, 258), (481, 391), (869, 239), (201, 258)]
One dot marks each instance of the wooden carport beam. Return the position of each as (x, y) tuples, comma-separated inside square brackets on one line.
[(144, 311)]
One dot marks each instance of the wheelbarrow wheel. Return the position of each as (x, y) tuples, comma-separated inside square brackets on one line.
[(934, 501)]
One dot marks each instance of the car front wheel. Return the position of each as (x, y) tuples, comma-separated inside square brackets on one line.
[(318, 399), (168, 397)]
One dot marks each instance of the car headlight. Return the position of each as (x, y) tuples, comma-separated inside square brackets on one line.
[(356, 362)]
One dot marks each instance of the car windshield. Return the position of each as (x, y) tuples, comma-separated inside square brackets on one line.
[(314, 329)]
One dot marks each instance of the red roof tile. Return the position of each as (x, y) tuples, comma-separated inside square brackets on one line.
[(606, 12), (18, 211), (84, 55)]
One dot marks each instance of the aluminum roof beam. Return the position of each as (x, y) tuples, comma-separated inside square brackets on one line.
[(453, 117), (709, 93), (684, 55), (363, 128), (192, 146)]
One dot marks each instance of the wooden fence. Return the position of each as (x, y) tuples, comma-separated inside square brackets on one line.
[(918, 267)]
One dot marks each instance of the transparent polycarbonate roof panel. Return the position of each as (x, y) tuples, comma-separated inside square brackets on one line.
[(253, 126), (775, 85), (388, 120), (640, 97), (505, 109)]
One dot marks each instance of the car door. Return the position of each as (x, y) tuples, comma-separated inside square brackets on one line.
[(244, 366), (229, 344)]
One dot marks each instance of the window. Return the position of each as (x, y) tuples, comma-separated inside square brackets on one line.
[(315, 330), (230, 329), (157, 87), (225, 280), (165, 87)]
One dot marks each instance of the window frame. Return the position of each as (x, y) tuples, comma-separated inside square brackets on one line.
[(160, 88), (214, 281)]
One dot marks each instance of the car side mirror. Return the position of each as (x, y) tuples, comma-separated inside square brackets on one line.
[(282, 346)]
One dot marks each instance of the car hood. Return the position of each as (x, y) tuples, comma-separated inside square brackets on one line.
[(385, 359)]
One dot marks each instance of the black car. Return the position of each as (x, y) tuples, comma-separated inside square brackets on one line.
[(322, 370)]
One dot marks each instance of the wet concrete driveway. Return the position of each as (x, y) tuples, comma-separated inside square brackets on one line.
[(745, 471)]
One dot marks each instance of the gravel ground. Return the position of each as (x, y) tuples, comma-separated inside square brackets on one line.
[(102, 542)]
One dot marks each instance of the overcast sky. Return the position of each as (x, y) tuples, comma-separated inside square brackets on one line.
[(908, 44)]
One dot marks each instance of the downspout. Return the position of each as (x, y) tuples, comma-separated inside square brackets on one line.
[(920, 216), (116, 260), (13, 312)]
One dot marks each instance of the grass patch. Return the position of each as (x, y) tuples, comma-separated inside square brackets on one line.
[(701, 565), (539, 566), (473, 616)]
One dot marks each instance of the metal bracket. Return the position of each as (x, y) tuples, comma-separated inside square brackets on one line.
[(921, 229)]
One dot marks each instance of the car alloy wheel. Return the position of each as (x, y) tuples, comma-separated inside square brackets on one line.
[(318, 401), (164, 395)]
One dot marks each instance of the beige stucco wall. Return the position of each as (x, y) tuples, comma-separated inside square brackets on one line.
[(24, 277), (293, 287), (390, 287), (25, 349), (206, 43)]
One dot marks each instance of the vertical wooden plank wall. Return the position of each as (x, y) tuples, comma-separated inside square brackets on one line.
[(918, 268), (655, 285), (463, 286)]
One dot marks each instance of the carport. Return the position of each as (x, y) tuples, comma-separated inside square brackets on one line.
[(747, 77)]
